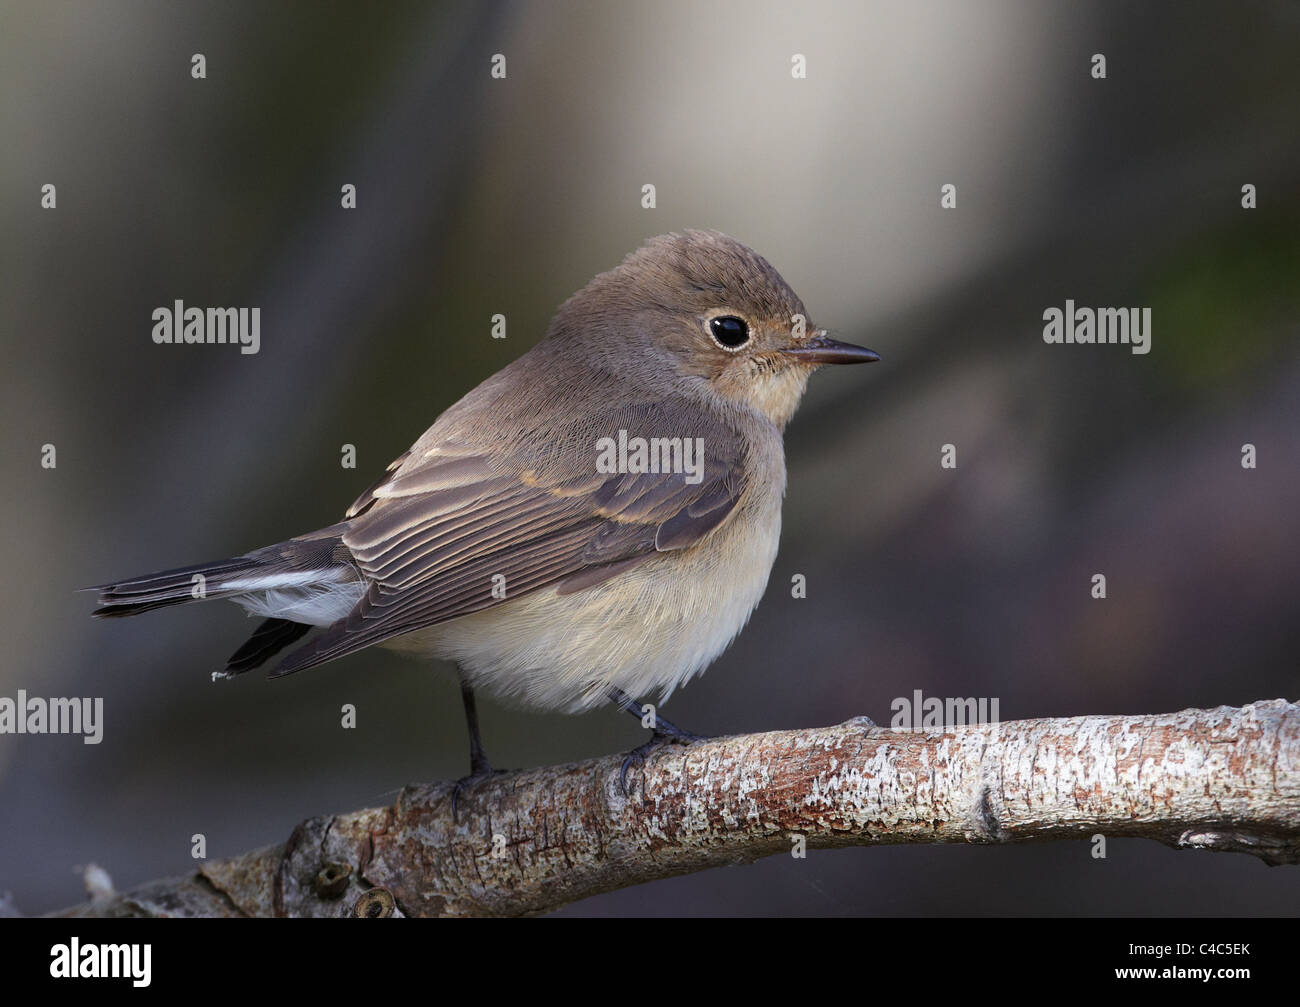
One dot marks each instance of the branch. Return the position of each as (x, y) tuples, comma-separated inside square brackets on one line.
[(531, 841)]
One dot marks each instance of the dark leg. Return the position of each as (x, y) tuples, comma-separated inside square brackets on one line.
[(479, 767), (663, 733), (478, 761)]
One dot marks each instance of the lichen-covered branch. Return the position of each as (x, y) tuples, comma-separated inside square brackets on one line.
[(535, 840)]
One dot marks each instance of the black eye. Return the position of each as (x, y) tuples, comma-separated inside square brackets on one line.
[(730, 331)]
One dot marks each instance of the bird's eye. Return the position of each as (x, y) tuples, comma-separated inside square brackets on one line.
[(730, 331)]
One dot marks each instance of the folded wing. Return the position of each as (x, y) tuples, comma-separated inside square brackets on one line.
[(431, 538)]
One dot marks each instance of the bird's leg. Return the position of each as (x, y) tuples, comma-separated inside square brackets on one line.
[(478, 760), (663, 732), (479, 767)]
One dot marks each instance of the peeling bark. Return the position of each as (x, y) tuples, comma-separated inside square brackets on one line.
[(531, 841)]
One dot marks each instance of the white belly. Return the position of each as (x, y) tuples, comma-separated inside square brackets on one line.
[(646, 631)]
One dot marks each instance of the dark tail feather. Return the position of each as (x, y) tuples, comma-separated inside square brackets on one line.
[(303, 564), (171, 587), (271, 637)]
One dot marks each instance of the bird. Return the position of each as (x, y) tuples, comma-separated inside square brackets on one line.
[(593, 523)]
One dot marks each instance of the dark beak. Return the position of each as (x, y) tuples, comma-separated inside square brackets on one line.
[(821, 349)]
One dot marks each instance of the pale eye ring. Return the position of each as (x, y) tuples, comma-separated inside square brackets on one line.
[(729, 331)]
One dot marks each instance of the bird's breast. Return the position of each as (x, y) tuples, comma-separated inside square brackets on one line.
[(646, 631)]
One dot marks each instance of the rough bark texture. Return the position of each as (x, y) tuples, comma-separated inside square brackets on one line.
[(532, 841)]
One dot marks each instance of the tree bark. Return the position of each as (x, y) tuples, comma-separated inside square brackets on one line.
[(531, 841)]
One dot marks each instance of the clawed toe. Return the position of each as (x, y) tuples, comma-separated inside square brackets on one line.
[(665, 734), (477, 775)]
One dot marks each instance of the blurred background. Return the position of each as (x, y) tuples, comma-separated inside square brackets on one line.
[(477, 196)]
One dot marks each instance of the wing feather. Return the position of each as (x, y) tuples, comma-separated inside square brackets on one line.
[(433, 533)]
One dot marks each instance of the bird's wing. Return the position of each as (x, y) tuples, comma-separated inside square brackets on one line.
[(432, 537), (367, 499)]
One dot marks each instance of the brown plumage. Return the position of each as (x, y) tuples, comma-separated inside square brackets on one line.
[(628, 580)]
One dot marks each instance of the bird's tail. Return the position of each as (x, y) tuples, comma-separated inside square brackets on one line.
[(264, 579), (222, 579), (304, 582)]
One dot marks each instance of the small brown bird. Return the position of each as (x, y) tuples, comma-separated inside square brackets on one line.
[(594, 522)]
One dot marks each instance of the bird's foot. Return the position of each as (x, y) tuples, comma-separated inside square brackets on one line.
[(480, 770), (665, 733)]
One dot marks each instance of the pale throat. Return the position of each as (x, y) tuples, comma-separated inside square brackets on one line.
[(775, 392)]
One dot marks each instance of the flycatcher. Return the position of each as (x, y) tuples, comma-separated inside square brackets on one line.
[(594, 522)]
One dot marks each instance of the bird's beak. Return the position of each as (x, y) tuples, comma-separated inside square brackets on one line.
[(822, 349)]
